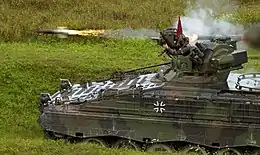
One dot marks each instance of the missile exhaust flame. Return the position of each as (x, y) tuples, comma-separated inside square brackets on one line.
[(193, 37), (64, 32)]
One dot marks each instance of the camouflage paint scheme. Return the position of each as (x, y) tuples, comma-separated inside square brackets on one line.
[(179, 106)]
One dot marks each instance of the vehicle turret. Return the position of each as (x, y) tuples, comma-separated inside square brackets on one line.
[(218, 57)]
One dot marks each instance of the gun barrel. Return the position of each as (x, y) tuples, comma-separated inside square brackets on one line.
[(152, 66), (211, 37)]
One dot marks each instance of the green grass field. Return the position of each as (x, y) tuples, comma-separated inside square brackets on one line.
[(31, 67)]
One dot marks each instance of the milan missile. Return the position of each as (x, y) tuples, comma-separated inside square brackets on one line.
[(63, 32)]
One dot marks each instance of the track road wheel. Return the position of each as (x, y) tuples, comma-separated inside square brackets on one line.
[(228, 151), (127, 144), (160, 148), (58, 136), (49, 135), (193, 149), (256, 152), (69, 140), (96, 141)]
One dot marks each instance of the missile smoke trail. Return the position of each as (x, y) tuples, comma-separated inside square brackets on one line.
[(199, 19), (131, 33)]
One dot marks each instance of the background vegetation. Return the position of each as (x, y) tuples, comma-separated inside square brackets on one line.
[(19, 18), (28, 68)]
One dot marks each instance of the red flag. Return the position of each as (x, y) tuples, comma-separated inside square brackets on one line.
[(179, 28)]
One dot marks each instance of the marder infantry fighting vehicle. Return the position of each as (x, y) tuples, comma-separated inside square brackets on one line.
[(193, 103)]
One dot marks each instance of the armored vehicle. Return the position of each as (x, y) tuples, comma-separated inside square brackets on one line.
[(193, 103)]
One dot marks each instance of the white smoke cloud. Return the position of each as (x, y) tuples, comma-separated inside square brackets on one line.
[(201, 18)]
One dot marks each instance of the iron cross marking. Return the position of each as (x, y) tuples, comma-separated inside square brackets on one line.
[(159, 106)]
